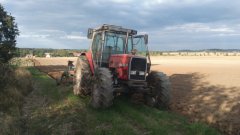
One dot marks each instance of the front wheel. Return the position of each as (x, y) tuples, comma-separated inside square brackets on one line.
[(160, 89), (102, 93)]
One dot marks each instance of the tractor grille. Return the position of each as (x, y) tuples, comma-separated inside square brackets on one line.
[(137, 68)]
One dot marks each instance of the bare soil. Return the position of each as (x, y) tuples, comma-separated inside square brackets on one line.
[(54, 67), (204, 88)]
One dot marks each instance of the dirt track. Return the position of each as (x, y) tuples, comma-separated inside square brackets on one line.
[(203, 88)]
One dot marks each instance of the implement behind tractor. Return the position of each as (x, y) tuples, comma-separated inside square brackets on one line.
[(67, 76), (118, 62)]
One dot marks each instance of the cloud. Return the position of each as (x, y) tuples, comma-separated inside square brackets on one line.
[(171, 24), (200, 27), (195, 36), (51, 33), (51, 38), (33, 36), (122, 1), (75, 37)]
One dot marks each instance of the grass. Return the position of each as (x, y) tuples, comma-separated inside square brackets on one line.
[(15, 83), (63, 113)]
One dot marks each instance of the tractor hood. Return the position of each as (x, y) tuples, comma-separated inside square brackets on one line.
[(124, 63), (119, 60)]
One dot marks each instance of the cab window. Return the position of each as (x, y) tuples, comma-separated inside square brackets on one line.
[(96, 47), (139, 47)]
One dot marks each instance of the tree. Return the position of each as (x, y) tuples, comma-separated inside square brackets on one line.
[(8, 34)]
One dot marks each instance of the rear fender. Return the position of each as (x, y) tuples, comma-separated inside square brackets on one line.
[(88, 55)]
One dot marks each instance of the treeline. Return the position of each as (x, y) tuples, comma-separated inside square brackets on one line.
[(211, 50), (204, 52), (40, 52)]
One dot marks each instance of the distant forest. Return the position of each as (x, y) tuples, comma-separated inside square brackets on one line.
[(40, 52)]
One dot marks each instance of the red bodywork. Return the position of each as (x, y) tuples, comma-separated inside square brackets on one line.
[(120, 63), (90, 60)]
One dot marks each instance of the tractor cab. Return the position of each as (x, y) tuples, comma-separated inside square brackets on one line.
[(114, 47)]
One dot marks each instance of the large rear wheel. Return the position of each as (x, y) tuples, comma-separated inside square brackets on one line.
[(160, 89), (102, 93), (82, 83)]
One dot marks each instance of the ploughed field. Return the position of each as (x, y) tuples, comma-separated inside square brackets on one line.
[(55, 66), (204, 88)]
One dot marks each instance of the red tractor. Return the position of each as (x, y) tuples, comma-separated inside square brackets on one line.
[(118, 62)]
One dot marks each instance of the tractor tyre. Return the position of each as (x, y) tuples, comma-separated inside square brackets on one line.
[(82, 83), (160, 90), (102, 93), (58, 81), (64, 78)]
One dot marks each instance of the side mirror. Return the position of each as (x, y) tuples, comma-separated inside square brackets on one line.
[(90, 33), (146, 39)]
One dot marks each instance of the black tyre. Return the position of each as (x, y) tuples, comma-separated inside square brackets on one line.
[(62, 79), (102, 93), (58, 80), (160, 89), (82, 83)]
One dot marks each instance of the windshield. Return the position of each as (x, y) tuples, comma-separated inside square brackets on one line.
[(115, 42), (138, 46)]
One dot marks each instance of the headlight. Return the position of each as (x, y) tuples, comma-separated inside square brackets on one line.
[(133, 72), (141, 73), (122, 65)]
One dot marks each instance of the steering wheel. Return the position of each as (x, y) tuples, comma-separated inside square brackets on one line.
[(134, 51)]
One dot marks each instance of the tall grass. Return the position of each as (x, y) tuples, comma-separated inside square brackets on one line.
[(15, 83)]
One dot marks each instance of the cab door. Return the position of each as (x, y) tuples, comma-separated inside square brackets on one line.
[(97, 48)]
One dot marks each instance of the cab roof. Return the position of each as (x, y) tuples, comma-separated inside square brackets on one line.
[(116, 29)]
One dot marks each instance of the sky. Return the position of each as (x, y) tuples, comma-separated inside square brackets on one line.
[(170, 24)]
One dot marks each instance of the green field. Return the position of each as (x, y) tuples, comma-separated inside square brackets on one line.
[(55, 110)]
